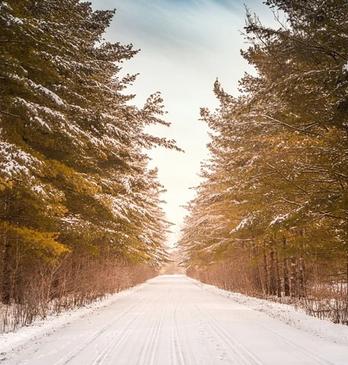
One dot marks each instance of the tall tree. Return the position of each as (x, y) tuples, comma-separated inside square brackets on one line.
[(277, 177), (74, 183)]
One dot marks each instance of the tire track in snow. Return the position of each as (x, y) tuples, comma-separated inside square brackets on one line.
[(243, 351), (114, 344), (177, 355), (122, 338), (241, 354), (75, 353), (148, 351), (312, 356), (172, 322), (184, 350), (179, 358), (318, 360)]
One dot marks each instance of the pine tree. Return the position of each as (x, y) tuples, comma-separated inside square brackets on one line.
[(75, 188), (277, 182)]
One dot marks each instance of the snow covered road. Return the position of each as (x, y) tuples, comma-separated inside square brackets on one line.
[(172, 320)]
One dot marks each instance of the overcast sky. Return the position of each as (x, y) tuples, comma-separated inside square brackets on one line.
[(185, 45)]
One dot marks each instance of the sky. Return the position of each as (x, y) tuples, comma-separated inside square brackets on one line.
[(185, 45)]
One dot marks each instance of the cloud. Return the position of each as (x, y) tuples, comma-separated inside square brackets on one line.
[(172, 24)]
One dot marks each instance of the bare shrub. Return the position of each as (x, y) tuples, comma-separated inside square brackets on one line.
[(55, 289)]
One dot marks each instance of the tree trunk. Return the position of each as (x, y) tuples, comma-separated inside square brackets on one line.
[(293, 277), (301, 279), (279, 286), (265, 268), (286, 272), (272, 274), (6, 271)]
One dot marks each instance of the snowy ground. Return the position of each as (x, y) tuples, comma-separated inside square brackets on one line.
[(176, 320)]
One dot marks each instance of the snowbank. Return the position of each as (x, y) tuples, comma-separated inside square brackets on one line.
[(288, 314), (12, 340)]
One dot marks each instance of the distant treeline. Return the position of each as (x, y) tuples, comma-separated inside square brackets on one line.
[(80, 211), (270, 217)]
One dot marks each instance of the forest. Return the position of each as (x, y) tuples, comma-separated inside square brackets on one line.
[(80, 209), (270, 218)]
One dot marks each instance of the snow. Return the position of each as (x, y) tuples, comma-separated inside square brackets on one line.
[(4, 4), (245, 222), (345, 67), (288, 314), (40, 88), (14, 161), (53, 96), (116, 205), (173, 319), (39, 189), (72, 220), (237, 202), (279, 219), (34, 109), (45, 327), (14, 20), (42, 123)]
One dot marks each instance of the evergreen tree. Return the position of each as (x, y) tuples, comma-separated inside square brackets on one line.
[(275, 189), (75, 188)]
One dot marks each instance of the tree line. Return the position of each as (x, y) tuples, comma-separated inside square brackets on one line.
[(80, 211), (270, 216)]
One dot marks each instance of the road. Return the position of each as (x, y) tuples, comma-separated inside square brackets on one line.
[(172, 320)]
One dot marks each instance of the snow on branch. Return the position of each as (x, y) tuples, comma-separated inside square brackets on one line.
[(244, 223), (279, 219), (14, 161)]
